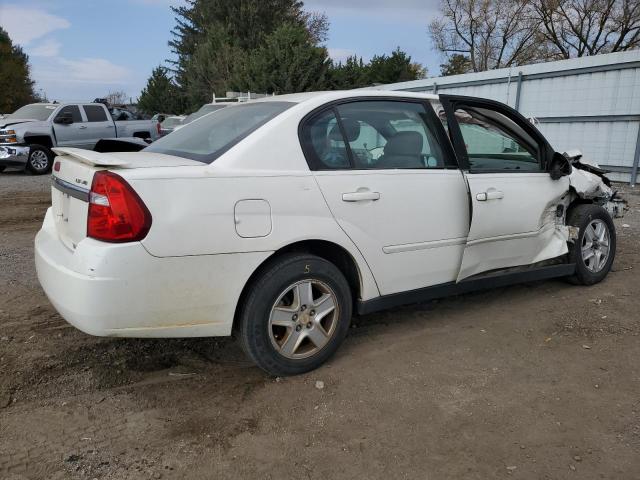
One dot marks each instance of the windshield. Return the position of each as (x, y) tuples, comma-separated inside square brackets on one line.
[(202, 112), (36, 111), (211, 136), (171, 122)]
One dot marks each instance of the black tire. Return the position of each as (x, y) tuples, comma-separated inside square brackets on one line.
[(2, 168), (255, 333), (35, 162), (582, 216)]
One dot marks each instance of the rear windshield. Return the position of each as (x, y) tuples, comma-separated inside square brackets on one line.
[(212, 135), (33, 112), (202, 112)]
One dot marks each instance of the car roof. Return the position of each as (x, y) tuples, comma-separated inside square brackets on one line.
[(339, 94)]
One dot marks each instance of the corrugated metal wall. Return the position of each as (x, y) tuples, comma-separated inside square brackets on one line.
[(589, 103)]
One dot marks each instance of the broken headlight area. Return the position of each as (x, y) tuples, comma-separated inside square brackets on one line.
[(590, 182)]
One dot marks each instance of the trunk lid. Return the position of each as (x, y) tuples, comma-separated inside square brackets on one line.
[(71, 184)]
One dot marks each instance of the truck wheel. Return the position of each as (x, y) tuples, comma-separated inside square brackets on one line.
[(595, 248), (2, 168), (296, 314), (40, 159)]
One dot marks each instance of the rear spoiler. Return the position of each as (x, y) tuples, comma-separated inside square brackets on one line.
[(90, 158), (123, 144)]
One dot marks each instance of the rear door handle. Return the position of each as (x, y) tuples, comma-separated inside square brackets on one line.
[(489, 195), (360, 196), (82, 127)]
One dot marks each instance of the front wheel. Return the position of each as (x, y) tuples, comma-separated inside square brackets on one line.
[(295, 315), (595, 248), (40, 159)]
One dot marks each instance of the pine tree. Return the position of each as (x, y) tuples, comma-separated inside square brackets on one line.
[(396, 67), (288, 61), (161, 94), (245, 23), (353, 73), (455, 65), (15, 82)]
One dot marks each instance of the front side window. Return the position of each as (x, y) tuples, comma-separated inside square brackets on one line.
[(74, 110), (95, 113), (212, 135), (496, 143), (378, 135)]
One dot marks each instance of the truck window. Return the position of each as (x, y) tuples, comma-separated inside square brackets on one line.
[(74, 110), (95, 113)]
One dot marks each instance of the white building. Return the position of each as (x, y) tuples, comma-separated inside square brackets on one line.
[(589, 103)]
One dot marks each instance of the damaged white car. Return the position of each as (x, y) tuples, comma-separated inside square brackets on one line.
[(275, 220)]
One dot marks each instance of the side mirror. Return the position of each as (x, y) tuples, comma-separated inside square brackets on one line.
[(64, 118), (560, 166)]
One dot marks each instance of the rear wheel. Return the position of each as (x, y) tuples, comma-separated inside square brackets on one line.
[(2, 168), (40, 159), (295, 315), (594, 250)]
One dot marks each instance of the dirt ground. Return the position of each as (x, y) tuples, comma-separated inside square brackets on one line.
[(536, 381)]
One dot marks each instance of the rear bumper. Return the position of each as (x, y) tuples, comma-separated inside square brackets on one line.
[(121, 290), (11, 156)]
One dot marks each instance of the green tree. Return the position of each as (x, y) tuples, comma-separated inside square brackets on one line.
[(396, 67), (161, 94), (243, 24), (353, 73), (215, 63), (456, 64), (15, 82), (287, 61)]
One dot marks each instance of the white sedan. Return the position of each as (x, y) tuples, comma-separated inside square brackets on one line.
[(276, 219)]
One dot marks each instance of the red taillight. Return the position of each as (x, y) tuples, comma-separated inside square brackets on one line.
[(158, 127), (116, 212), (56, 166)]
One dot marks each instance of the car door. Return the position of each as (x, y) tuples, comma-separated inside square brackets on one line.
[(389, 177), (100, 125), (514, 200), (74, 134)]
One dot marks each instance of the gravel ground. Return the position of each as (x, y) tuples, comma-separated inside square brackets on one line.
[(535, 381)]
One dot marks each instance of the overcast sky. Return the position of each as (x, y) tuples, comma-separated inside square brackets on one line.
[(82, 49)]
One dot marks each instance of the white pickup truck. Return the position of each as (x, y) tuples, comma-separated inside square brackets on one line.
[(28, 135)]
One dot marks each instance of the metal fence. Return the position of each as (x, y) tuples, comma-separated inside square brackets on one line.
[(588, 103)]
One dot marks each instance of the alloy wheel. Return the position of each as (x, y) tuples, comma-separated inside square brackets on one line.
[(595, 245), (39, 160), (303, 319)]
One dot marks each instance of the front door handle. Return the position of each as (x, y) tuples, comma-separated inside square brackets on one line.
[(490, 194), (360, 196)]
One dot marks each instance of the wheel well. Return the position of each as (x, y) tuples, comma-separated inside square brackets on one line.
[(331, 252), (43, 140), (575, 202)]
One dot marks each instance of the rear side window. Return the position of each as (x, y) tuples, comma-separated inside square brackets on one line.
[(327, 148), (212, 135), (95, 113), (378, 134), (74, 110)]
